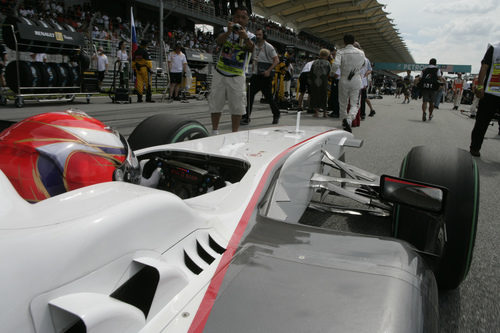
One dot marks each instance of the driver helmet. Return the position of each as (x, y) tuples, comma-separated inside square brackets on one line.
[(52, 153)]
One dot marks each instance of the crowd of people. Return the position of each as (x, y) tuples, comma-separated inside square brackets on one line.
[(337, 81), (343, 75), (109, 30)]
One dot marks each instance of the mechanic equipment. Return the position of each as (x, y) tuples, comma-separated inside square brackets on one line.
[(120, 94), (45, 82)]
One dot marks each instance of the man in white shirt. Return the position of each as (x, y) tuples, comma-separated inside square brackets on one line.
[(102, 66), (39, 57), (350, 60), (177, 65)]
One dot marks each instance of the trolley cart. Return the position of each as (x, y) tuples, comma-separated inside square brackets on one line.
[(42, 82), (120, 93)]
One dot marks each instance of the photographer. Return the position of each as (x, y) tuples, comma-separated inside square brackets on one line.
[(229, 79), (265, 60)]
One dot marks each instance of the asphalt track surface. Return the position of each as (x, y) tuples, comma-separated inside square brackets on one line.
[(388, 136)]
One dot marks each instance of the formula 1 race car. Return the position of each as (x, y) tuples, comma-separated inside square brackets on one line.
[(175, 231)]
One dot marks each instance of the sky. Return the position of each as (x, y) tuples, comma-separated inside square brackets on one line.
[(452, 31)]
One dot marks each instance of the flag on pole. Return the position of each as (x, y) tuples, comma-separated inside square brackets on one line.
[(133, 38)]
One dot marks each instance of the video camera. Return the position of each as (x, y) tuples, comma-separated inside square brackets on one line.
[(237, 27)]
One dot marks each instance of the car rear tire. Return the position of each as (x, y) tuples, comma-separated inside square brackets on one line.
[(457, 171), (162, 129)]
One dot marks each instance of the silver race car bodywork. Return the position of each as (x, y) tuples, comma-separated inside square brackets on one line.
[(119, 257)]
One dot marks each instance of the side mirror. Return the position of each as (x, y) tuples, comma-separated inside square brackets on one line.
[(412, 193)]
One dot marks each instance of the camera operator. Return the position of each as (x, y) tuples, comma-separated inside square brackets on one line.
[(265, 60), (229, 79)]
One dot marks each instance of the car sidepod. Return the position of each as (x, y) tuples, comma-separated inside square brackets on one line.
[(294, 278)]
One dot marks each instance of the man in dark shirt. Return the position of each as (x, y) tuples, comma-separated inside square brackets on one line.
[(488, 90)]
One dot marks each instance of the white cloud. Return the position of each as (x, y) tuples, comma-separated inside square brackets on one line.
[(460, 7), (453, 32)]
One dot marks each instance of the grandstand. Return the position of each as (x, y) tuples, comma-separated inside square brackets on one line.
[(300, 27)]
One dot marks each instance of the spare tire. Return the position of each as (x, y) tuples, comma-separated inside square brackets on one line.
[(75, 70), (62, 73), (29, 76), (55, 73), (43, 80), (9, 33), (68, 73)]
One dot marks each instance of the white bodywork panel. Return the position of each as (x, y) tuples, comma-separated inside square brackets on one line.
[(67, 254)]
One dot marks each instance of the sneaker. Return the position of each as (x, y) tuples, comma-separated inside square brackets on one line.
[(372, 113), (475, 153), (430, 116), (215, 132), (436, 107), (346, 126), (424, 116)]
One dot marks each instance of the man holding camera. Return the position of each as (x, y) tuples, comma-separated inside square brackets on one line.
[(265, 59), (229, 79)]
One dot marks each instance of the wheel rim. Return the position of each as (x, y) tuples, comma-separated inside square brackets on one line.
[(190, 132)]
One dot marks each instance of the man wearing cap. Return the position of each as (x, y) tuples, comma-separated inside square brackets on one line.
[(177, 65), (102, 66), (142, 65)]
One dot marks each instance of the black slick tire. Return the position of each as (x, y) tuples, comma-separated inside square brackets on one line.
[(162, 129), (457, 171)]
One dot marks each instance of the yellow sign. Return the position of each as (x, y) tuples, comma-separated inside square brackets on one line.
[(59, 36)]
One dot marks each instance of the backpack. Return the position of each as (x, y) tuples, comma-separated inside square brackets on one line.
[(429, 79)]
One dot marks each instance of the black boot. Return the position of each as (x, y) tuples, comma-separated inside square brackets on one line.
[(139, 98)]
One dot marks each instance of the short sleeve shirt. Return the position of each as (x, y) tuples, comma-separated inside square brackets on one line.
[(102, 61), (177, 60)]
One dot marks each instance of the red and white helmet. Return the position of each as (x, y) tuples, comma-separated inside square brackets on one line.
[(56, 152)]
